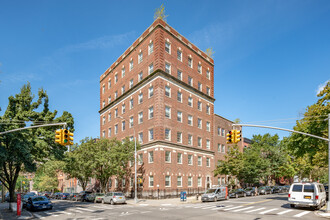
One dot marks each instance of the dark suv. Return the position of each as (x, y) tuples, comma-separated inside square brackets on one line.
[(82, 196), (264, 190)]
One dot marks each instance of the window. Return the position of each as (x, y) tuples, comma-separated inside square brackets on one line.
[(167, 134), (116, 94), (179, 137), (199, 181), (151, 181), (168, 156), (123, 72), (190, 139), (179, 158), (131, 103), (103, 89), (208, 109), (123, 89), (140, 56), (199, 105), (219, 131), (131, 65), (168, 47), (167, 181), (131, 122), (151, 112), (151, 157), (151, 91), (208, 144), (150, 48), (208, 74), (131, 83), (199, 68), (208, 126), (199, 142), (190, 120), (140, 76), (167, 112), (190, 81), (109, 132), (123, 123), (208, 162), (151, 134), (208, 91), (179, 181), (109, 84), (223, 149), (140, 117), (116, 112), (199, 161), (103, 104), (116, 78), (190, 101), (190, 159), (190, 62), (179, 53), (140, 159), (168, 68), (140, 137), (109, 117), (109, 99), (151, 68), (219, 148), (179, 75), (199, 123), (116, 129), (168, 91), (179, 97), (223, 132), (140, 98), (200, 86), (179, 116), (189, 181)]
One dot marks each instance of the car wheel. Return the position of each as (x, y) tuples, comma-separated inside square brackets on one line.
[(292, 205), (236, 196), (112, 202)]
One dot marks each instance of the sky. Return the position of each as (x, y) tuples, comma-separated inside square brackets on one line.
[(271, 57)]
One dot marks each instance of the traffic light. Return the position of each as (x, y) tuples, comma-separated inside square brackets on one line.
[(70, 138), (230, 137), (65, 137), (59, 136), (237, 136)]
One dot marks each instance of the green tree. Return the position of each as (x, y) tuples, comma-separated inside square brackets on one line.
[(22, 183), (22, 150), (160, 13)]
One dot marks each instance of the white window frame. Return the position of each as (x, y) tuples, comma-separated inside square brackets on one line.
[(169, 157), (179, 75), (123, 72), (151, 180), (191, 162), (168, 90), (150, 92), (131, 83), (208, 162), (177, 181), (208, 126), (150, 48), (140, 57), (179, 158), (179, 55), (208, 144), (140, 135), (190, 64), (140, 98), (179, 116), (190, 181), (151, 112), (190, 104), (168, 46), (150, 68), (168, 110), (140, 117), (179, 96), (150, 157), (190, 120), (199, 142), (151, 134), (109, 132), (169, 134), (199, 181), (179, 137), (140, 76), (169, 181), (168, 68), (131, 121), (192, 138), (199, 161), (131, 65)]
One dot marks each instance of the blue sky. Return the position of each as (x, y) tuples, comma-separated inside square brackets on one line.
[(271, 57)]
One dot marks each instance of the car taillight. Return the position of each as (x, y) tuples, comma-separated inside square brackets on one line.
[(289, 195), (316, 197), (114, 196)]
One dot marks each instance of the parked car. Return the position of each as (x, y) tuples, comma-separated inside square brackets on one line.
[(286, 188), (58, 196), (73, 196), (99, 197), (307, 195), (264, 190), (277, 189), (235, 193), (55, 195), (82, 196), (215, 194), (251, 191), (25, 199), (38, 203), (90, 197), (65, 196), (47, 194), (114, 198)]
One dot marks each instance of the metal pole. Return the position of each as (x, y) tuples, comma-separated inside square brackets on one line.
[(328, 203)]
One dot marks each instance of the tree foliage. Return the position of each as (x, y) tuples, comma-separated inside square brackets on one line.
[(160, 13), (22, 150)]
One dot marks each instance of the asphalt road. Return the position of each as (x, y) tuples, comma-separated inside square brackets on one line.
[(256, 208)]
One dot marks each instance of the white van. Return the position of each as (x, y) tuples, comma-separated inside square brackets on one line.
[(215, 193), (307, 195)]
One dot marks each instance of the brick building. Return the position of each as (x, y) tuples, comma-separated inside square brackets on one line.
[(162, 90)]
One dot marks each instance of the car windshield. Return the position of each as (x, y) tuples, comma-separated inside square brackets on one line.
[(118, 194), (211, 191), (40, 198)]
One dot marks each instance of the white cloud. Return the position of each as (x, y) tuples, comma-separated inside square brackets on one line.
[(321, 87)]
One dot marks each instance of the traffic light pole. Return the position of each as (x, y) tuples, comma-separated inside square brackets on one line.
[(314, 136), (35, 126)]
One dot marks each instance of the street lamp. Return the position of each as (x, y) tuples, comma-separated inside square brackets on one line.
[(135, 154)]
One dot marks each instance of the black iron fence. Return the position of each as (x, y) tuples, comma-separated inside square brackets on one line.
[(164, 193)]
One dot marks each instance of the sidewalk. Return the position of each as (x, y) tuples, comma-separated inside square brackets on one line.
[(6, 214), (164, 202)]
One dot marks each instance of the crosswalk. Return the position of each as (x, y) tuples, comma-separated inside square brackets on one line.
[(251, 209)]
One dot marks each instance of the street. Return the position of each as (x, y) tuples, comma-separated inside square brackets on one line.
[(261, 207)]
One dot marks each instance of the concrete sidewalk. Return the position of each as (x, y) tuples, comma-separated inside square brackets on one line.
[(6, 214), (164, 202)]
